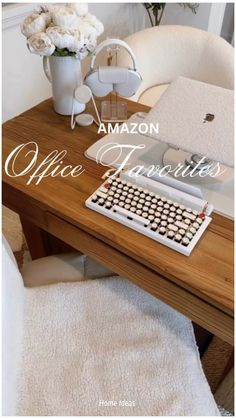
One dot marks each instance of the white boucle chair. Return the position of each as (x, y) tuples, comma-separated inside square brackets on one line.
[(95, 348), (168, 51)]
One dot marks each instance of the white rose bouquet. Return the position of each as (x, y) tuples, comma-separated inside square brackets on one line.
[(62, 30)]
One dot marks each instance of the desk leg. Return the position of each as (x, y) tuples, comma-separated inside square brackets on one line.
[(36, 239), (41, 243), (217, 362)]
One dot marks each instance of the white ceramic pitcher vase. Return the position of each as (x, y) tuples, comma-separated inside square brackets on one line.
[(64, 73)]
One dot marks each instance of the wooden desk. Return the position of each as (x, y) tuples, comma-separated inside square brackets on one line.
[(199, 286)]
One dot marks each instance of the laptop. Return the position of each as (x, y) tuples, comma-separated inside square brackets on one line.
[(196, 117)]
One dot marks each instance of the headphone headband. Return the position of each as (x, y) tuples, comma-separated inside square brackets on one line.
[(108, 42)]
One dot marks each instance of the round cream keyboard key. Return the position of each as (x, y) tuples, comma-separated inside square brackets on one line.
[(101, 201), (189, 235), (178, 238), (172, 227), (170, 234), (154, 226), (199, 220)]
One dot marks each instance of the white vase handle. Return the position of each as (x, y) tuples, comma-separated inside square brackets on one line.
[(46, 68)]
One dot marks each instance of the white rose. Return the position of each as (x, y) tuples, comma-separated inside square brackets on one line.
[(45, 11), (94, 22), (68, 38), (87, 29), (64, 17), (34, 23), (80, 9), (40, 44), (45, 7)]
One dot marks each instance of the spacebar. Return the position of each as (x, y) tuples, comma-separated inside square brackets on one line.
[(131, 215)]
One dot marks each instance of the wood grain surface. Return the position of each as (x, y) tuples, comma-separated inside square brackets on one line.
[(206, 274)]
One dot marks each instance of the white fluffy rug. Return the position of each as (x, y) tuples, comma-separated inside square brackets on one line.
[(91, 344)]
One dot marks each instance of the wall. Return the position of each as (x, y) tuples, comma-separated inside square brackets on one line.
[(174, 14)]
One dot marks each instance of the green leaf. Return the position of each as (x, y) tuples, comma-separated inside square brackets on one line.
[(64, 52)]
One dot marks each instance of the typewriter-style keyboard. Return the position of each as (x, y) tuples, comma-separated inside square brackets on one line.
[(159, 217)]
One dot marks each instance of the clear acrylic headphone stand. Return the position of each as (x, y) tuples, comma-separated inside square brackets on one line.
[(113, 109)]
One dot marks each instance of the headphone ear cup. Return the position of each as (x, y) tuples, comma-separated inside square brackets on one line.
[(129, 88), (98, 88)]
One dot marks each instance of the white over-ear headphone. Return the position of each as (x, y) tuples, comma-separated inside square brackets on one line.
[(122, 80)]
